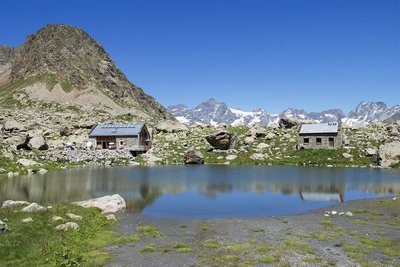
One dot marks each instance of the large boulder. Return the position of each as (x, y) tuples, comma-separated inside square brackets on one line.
[(389, 154), (38, 142), (222, 140), (107, 204), (169, 126), (287, 123), (193, 156)]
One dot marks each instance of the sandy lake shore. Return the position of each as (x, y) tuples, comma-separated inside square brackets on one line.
[(370, 236)]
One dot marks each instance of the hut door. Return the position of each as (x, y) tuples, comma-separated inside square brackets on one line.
[(331, 142)]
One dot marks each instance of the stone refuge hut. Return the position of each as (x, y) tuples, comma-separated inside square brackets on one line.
[(320, 135), (133, 137)]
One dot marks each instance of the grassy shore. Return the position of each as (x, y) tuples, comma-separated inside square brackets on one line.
[(39, 243)]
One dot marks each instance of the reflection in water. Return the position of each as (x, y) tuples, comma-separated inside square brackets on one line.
[(179, 190)]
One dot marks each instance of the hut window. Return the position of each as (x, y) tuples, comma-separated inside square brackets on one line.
[(306, 141), (319, 141)]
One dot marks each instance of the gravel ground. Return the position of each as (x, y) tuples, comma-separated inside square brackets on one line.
[(370, 237)]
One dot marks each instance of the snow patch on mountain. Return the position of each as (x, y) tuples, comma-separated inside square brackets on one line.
[(213, 112)]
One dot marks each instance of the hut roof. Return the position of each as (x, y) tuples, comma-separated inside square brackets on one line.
[(116, 130), (331, 127)]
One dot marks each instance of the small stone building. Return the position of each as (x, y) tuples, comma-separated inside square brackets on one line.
[(320, 135), (133, 137)]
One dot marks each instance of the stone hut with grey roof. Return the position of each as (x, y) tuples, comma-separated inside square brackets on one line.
[(133, 137), (320, 135)]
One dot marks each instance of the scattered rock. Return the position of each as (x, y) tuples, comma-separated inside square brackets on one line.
[(349, 213), (193, 156), (26, 220), (27, 162), (33, 207), (341, 213), (10, 174), (270, 136), (65, 131), (334, 212), (74, 217), (257, 156), (249, 140), (12, 126), (12, 203), (222, 140), (347, 155), (3, 226), (231, 157), (107, 204), (2, 170), (42, 171), (395, 198), (369, 152), (171, 127), (111, 217), (257, 131), (263, 146), (287, 123), (389, 154), (57, 218), (67, 226)]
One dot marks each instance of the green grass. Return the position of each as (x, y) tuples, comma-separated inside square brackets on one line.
[(325, 222), (211, 245), (182, 248), (149, 248), (269, 259), (38, 243), (149, 230)]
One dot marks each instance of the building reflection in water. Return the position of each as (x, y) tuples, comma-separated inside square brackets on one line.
[(142, 186)]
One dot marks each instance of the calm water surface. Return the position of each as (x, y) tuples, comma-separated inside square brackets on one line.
[(208, 191)]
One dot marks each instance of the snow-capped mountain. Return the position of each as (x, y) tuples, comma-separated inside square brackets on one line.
[(370, 112), (214, 112)]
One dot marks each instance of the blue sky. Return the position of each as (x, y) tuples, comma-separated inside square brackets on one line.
[(311, 54)]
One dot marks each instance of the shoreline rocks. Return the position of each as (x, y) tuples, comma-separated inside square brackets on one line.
[(107, 204)]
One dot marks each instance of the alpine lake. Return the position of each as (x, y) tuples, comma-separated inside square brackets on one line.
[(208, 191)]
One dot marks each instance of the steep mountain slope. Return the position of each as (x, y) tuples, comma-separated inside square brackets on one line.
[(215, 112), (62, 64)]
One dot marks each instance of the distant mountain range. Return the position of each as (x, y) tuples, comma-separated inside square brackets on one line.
[(214, 112)]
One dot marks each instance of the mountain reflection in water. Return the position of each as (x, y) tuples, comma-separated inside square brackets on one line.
[(178, 190)]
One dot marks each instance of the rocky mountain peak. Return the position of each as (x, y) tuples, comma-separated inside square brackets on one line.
[(76, 61)]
